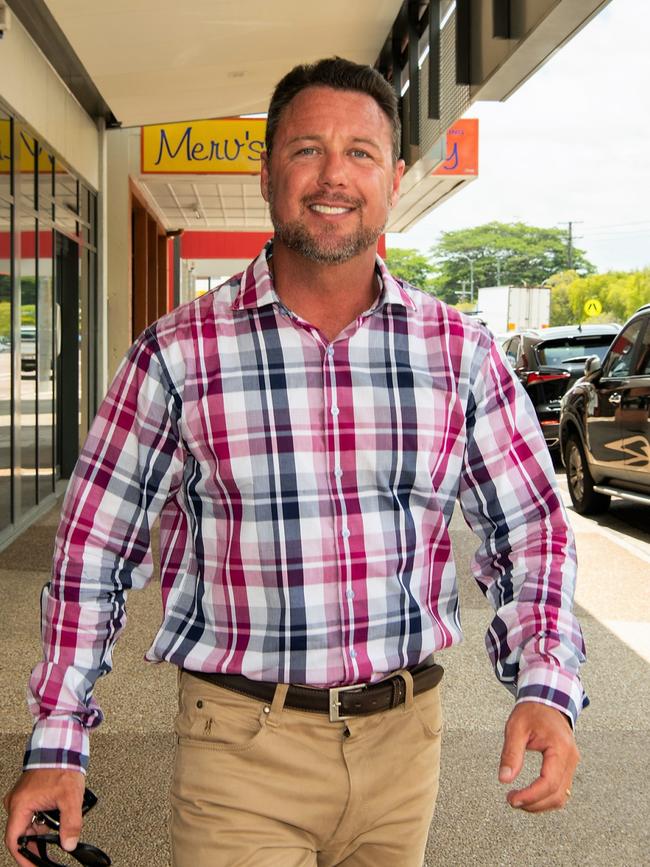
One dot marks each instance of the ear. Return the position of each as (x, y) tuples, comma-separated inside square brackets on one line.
[(398, 172), (264, 176)]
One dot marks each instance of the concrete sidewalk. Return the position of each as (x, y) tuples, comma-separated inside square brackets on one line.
[(605, 825)]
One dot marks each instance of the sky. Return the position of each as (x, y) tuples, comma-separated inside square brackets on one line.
[(572, 144)]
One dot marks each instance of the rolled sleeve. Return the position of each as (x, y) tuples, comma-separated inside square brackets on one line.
[(130, 462), (526, 562)]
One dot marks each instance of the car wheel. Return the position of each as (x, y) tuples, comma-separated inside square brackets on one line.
[(585, 500)]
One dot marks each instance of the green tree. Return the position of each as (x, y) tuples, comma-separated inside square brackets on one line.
[(411, 266), (502, 253), (619, 292), (561, 310)]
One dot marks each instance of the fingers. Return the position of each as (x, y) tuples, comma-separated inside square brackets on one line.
[(44, 789), (547, 792), (12, 833), (557, 800), (536, 727), (18, 823), (71, 822), (512, 755)]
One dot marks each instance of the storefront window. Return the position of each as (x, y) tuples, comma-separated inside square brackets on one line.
[(28, 373), (27, 167), (45, 182), (47, 334), (66, 198), (6, 415), (48, 311), (5, 156)]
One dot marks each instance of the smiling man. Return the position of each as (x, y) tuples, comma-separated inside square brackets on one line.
[(304, 432), (331, 173)]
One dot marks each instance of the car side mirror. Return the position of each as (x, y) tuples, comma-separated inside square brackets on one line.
[(592, 364)]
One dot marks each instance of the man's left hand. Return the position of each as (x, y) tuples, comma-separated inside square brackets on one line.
[(536, 726)]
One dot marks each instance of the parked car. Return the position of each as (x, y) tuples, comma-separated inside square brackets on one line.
[(549, 361), (605, 423), (28, 348)]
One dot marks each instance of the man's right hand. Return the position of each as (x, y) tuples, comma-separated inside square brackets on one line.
[(44, 789)]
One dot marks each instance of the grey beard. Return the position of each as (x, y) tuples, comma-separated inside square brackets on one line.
[(322, 249)]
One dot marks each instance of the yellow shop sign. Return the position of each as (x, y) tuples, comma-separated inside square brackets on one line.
[(26, 152), (204, 147)]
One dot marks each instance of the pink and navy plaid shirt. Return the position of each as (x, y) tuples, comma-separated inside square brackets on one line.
[(304, 489)]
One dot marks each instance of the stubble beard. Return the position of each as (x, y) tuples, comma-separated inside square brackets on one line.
[(328, 247)]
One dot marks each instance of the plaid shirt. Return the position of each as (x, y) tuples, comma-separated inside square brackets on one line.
[(304, 489)]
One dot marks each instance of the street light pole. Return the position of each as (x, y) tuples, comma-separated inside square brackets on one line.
[(471, 275)]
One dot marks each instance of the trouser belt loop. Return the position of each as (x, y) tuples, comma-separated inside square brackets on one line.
[(407, 678), (279, 696)]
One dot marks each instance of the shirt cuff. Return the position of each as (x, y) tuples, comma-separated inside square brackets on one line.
[(58, 742), (553, 686)]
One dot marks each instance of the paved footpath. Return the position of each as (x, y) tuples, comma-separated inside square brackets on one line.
[(607, 822), (605, 825)]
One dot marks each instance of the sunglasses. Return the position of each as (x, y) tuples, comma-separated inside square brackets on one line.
[(84, 853)]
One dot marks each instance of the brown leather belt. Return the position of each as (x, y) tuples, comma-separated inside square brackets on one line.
[(339, 702)]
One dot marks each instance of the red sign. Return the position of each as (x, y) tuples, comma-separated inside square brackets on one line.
[(462, 149)]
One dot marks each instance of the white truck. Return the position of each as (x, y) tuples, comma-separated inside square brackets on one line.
[(513, 308)]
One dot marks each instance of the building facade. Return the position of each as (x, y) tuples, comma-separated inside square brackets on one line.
[(91, 245)]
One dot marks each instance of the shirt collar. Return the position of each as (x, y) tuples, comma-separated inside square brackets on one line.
[(257, 290)]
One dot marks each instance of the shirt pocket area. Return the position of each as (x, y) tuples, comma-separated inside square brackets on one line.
[(214, 718)]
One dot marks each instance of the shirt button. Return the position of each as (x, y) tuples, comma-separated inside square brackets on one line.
[(345, 533), (353, 654), (349, 594), (330, 351), (338, 472), (335, 410)]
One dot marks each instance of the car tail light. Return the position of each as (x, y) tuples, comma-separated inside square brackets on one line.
[(534, 377)]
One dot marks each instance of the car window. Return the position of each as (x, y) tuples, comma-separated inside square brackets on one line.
[(642, 366), (508, 346), (525, 353), (561, 352), (513, 350), (619, 359)]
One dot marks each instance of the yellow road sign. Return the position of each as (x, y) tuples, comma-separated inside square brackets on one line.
[(593, 307)]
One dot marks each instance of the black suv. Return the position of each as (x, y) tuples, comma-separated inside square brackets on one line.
[(549, 361), (605, 423)]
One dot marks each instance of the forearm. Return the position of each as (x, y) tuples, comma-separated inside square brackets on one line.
[(536, 652), (526, 563), (78, 639), (128, 464)]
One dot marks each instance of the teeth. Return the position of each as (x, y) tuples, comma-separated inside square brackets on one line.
[(326, 209)]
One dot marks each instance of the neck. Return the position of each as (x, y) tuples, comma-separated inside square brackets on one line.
[(327, 296)]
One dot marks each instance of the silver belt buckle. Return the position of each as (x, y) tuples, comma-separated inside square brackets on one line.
[(335, 704)]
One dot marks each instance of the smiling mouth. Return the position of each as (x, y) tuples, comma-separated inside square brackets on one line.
[(330, 209)]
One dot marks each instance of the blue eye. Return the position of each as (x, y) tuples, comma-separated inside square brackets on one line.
[(360, 153)]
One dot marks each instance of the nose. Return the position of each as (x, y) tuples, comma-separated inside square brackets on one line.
[(333, 171)]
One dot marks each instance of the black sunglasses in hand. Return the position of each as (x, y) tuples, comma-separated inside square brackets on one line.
[(84, 853)]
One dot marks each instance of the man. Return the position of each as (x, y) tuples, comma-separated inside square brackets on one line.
[(303, 434)]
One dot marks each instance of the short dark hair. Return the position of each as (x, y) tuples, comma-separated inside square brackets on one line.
[(340, 74)]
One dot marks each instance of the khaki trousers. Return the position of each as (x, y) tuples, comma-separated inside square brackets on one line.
[(258, 785)]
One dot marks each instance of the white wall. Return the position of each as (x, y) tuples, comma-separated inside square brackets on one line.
[(31, 87), (121, 148)]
